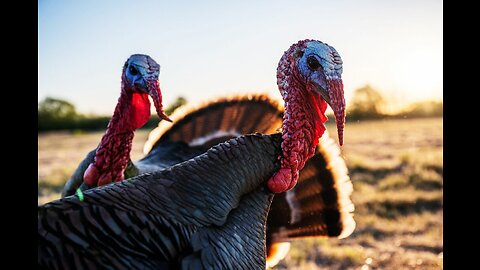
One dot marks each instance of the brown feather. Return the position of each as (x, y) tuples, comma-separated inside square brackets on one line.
[(320, 204), (224, 117)]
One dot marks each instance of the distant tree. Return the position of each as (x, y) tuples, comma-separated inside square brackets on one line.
[(52, 108), (366, 103), (58, 114), (54, 114), (429, 108)]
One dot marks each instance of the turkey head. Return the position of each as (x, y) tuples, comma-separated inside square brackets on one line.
[(309, 78), (139, 80)]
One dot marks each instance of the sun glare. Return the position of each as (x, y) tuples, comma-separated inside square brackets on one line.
[(418, 72)]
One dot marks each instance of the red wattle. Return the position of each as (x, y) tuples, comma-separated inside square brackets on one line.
[(104, 179), (303, 122), (132, 112), (303, 125), (91, 174), (139, 110), (281, 181)]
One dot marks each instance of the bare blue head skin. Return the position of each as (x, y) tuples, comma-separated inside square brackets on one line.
[(140, 68), (319, 64)]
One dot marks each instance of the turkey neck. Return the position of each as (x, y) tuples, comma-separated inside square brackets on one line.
[(114, 149), (303, 125)]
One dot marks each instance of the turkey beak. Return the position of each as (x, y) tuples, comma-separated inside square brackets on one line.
[(336, 99), (153, 88), (333, 95)]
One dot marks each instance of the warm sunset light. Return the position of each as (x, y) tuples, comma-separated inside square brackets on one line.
[(418, 71), (208, 50), (248, 134)]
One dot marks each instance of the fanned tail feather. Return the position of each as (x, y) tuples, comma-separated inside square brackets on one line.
[(318, 206), (216, 121)]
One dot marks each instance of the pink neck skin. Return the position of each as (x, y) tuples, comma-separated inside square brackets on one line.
[(303, 125), (132, 112)]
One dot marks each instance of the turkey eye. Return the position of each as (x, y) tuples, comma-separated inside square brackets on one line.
[(313, 63), (133, 70)]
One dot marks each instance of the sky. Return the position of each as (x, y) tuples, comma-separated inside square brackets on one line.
[(209, 49)]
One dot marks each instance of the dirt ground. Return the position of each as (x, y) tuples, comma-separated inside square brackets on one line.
[(396, 167)]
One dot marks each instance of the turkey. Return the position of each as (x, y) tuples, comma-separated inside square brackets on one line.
[(319, 206), (108, 161), (147, 222)]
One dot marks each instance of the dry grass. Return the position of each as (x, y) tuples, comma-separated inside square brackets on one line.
[(59, 154), (396, 167)]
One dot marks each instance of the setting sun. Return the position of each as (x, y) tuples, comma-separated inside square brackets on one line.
[(418, 71)]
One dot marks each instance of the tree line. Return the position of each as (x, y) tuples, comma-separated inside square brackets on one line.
[(58, 114), (367, 103)]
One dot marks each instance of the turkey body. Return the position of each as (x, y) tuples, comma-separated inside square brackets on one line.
[(147, 223)]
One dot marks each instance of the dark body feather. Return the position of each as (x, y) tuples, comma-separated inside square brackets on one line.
[(319, 206), (146, 223)]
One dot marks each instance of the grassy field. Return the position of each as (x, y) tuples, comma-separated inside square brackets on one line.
[(396, 167)]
